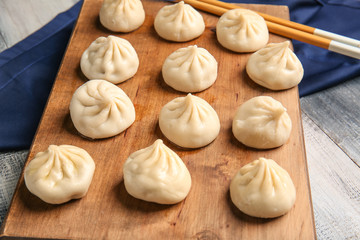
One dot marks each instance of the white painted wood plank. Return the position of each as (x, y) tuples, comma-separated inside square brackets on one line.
[(337, 112), (20, 18), (335, 185)]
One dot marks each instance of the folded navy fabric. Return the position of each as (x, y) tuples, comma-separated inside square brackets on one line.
[(27, 73), (28, 70)]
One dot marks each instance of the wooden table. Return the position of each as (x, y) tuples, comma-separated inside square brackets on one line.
[(331, 126)]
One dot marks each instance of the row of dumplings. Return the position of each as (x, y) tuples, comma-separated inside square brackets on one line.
[(192, 68), (273, 65), (100, 109), (157, 174), (114, 59)]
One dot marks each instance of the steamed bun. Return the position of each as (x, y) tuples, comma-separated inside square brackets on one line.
[(100, 109), (262, 122), (275, 67), (189, 122), (157, 174), (59, 174), (179, 22), (190, 69), (242, 30), (263, 189), (110, 58), (122, 15)]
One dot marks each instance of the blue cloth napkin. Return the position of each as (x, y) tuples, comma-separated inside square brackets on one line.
[(27, 73), (28, 70)]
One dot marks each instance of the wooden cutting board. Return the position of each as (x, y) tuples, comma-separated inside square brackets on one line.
[(107, 211)]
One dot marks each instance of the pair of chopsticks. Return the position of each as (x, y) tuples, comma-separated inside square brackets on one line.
[(317, 37)]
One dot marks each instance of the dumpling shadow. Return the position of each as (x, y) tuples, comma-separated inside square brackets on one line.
[(34, 203), (80, 74), (103, 29), (166, 141), (212, 29), (172, 145), (107, 32), (254, 86), (235, 142), (132, 203), (221, 47), (159, 134), (161, 82), (157, 37), (242, 216), (248, 81), (70, 128), (243, 147)]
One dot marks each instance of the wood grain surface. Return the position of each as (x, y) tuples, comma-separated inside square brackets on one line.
[(335, 179), (338, 108), (108, 212)]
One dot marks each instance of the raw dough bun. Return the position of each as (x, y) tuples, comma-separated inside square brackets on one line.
[(262, 122), (263, 189), (100, 109), (157, 174), (122, 15), (275, 67), (110, 58), (60, 174), (179, 22), (189, 122), (242, 30), (190, 69)]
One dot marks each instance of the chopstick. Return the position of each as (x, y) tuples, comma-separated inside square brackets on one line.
[(290, 24), (289, 29)]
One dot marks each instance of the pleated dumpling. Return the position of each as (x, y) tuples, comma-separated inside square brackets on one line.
[(190, 69), (179, 22), (263, 189), (189, 122), (100, 109), (110, 58), (242, 30), (122, 15), (275, 67), (157, 174), (262, 122), (60, 174)]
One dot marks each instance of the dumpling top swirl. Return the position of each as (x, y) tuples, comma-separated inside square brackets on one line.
[(262, 122), (59, 174), (122, 15), (190, 69), (263, 189), (100, 109), (110, 58), (156, 174), (179, 22), (242, 30), (189, 122), (275, 67)]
